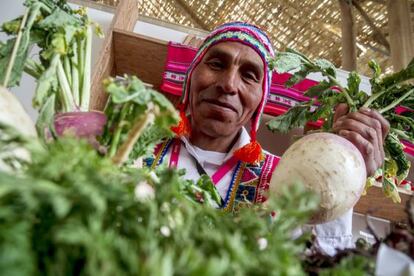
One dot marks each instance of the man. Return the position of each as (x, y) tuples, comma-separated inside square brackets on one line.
[(227, 86)]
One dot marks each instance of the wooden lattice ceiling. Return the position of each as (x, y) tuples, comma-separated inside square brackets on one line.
[(310, 26)]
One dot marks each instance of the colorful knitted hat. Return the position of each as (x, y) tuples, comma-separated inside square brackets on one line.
[(256, 39)]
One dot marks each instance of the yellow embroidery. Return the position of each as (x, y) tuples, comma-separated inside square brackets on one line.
[(229, 206), (159, 155)]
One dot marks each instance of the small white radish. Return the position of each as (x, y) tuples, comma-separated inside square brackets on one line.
[(327, 165), (13, 114)]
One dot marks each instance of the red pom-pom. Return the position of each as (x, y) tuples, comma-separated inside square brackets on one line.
[(250, 153), (183, 128)]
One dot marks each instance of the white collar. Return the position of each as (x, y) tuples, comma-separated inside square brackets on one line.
[(244, 138)]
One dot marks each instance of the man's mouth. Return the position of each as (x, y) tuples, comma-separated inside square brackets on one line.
[(222, 104)]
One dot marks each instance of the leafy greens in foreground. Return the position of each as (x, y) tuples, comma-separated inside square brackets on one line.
[(75, 212)]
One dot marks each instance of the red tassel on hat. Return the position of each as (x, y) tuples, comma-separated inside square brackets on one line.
[(250, 153), (183, 128)]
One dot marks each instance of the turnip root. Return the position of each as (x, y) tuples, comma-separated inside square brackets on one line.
[(13, 114), (327, 165), (80, 124), (87, 125)]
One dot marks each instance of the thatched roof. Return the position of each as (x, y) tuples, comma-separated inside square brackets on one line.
[(310, 26)]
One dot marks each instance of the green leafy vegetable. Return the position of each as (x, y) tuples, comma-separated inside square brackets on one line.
[(138, 118), (75, 212), (64, 37), (387, 93)]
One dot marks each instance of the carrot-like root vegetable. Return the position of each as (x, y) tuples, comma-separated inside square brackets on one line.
[(327, 165)]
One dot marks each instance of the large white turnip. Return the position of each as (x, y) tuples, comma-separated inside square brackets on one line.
[(13, 114), (327, 165)]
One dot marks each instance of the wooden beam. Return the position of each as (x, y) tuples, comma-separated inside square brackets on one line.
[(373, 48), (315, 23), (349, 54), (125, 18), (381, 2), (401, 33), (378, 34), (193, 16)]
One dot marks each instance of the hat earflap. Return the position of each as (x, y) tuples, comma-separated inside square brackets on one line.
[(183, 128)]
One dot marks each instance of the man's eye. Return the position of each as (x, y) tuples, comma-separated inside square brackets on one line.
[(250, 77), (215, 64)]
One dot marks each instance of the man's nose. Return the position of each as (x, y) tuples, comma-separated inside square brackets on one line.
[(229, 81)]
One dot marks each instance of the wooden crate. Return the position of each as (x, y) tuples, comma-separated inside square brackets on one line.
[(125, 52), (377, 205)]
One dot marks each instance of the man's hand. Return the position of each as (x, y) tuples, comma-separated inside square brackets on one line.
[(366, 129)]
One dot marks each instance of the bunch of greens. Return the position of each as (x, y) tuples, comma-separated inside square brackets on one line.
[(63, 71), (137, 118), (387, 93), (75, 212)]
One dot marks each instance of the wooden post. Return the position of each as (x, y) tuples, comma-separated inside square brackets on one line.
[(125, 18), (401, 33), (378, 35), (349, 50)]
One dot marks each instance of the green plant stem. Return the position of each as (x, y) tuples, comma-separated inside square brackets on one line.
[(75, 73), (67, 99), (81, 61), (86, 83), (396, 102), (136, 131), (403, 118), (374, 97), (117, 134), (33, 69), (44, 7), (26, 24), (402, 135), (15, 48), (67, 66), (348, 98)]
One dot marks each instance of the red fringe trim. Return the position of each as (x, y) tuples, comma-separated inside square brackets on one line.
[(183, 128), (250, 153)]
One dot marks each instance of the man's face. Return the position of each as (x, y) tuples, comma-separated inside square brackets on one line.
[(226, 89)]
